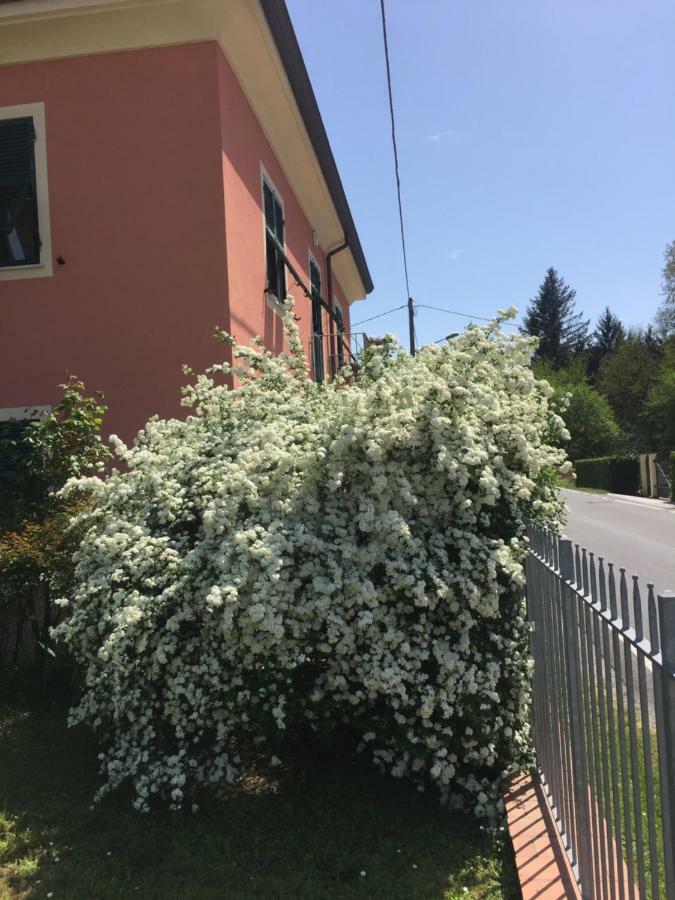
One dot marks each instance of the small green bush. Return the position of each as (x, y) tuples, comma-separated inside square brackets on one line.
[(37, 540), (618, 474)]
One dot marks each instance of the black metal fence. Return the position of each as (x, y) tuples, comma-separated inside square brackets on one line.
[(604, 718)]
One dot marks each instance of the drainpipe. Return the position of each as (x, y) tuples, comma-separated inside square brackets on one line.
[(329, 290)]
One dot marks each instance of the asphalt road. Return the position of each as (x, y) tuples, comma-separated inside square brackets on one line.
[(637, 534), (633, 533)]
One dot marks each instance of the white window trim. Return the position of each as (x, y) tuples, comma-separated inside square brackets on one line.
[(24, 413), (275, 304), (45, 267)]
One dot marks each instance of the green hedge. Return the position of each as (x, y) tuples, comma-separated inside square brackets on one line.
[(618, 474), (672, 475)]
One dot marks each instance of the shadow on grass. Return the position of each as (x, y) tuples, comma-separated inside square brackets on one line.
[(306, 832)]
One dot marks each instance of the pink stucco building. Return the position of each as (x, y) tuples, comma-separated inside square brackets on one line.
[(163, 169)]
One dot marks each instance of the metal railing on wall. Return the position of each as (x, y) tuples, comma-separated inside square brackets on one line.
[(604, 718), (331, 352)]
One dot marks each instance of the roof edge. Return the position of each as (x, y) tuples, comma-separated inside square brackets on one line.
[(280, 25)]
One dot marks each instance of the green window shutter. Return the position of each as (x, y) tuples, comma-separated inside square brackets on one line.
[(317, 320), (279, 221), (274, 231), (19, 236), (17, 151), (269, 206)]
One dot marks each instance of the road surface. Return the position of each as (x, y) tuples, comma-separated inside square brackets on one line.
[(633, 533), (637, 534)]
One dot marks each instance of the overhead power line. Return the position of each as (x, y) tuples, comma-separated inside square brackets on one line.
[(453, 312), (411, 310), (379, 315)]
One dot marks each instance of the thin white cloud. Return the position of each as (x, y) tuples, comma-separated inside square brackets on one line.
[(455, 254), (437, 136)]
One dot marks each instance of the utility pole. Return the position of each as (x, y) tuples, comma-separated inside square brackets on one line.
[(411, 325)]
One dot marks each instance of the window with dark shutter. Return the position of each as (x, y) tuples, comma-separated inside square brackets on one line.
[(19, 235), (340, 327), (274, 243), (317, 320)]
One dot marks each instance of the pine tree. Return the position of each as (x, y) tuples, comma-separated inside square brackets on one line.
[(665, 316), (608, 334), (551, 317)]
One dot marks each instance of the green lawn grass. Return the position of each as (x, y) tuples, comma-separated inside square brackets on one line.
[(302, 832), (626, 785), (625, 777)]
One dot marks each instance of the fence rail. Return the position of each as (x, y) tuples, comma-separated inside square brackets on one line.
[(604, 718)]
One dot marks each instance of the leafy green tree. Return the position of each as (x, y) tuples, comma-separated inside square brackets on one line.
[(665, 316), (591, 423), (587, 414), (659, 412), (562, 332), (625, 378), (658, 418)]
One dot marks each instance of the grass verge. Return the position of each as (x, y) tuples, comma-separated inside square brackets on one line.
[(303, 832), (571, 486)]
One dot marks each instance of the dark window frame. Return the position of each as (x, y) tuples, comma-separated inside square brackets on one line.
[(317, 318), (17, 151), (275, 236)]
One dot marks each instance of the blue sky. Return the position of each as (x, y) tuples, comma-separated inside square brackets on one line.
[(531, 133)]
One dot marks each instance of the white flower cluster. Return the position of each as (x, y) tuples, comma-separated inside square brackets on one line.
[(337, 554)]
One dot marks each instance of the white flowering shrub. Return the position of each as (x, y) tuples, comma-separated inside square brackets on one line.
[(340, 553)]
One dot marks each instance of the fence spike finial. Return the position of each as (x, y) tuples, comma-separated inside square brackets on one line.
[(653, 621), (594, 578), (566, 560), (584, 572), (603, 584), (623, 599), (611, 583)]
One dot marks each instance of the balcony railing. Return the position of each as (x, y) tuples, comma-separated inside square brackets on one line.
[(331, 350), (328, 353)]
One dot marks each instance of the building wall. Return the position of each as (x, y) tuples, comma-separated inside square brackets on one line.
[(245, 150), (140, 147), (136, 212)]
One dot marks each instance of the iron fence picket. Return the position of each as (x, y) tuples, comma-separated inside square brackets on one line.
[(600, 848), (664, 705), (611, 721), (567, 688), (565, 695), (604, 795), (621, 728), (650, 794), (633, 740), (558, 795)]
